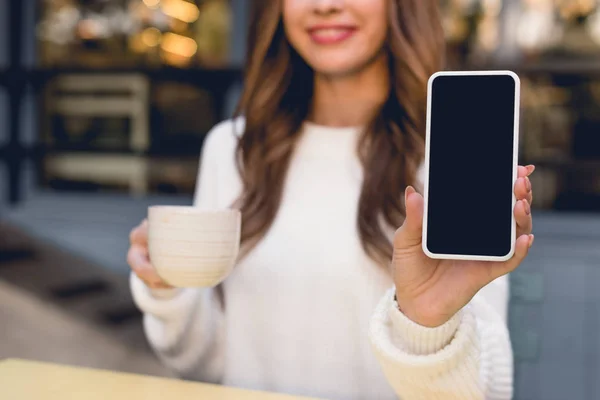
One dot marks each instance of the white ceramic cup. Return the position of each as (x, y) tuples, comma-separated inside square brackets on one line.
[(191, 247)]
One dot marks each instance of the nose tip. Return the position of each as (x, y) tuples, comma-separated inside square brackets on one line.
[(327, 6)]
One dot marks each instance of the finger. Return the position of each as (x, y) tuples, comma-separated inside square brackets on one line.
[(523, 190), (137, 259), (530, 169), (139, 235), (410, 232), (523, 218), (159, 285), (522, 246), (525, 171)]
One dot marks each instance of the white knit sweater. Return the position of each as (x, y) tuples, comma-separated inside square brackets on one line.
[(307, 312)]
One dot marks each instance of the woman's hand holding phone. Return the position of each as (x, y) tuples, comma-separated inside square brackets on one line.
[(431, 291)]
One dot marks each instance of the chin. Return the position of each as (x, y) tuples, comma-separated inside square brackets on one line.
[(336, 68), (335, 63)]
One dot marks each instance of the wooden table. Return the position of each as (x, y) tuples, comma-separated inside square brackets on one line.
[(26, 380)]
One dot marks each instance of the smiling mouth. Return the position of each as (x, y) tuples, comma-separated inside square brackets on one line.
[(331, 34)]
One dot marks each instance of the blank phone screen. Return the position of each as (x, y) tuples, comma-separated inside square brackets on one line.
[(471, 159)]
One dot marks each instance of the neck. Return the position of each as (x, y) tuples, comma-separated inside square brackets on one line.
[(351, 99)]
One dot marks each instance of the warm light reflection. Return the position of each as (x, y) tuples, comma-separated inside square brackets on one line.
[(151, 3), (178, 44), (573, 8), (88, 29), (180, 9), (594, 26), (151, 37), (488, 33)]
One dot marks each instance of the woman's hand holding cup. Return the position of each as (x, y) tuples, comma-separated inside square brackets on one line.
[(185, 246), (138, 258)]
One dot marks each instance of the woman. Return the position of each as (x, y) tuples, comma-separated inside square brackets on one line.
[(322, 167)]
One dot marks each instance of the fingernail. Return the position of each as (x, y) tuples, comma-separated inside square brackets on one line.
[(527, 207), (531, 239), (409, 190), (528, 184), (530, 169)]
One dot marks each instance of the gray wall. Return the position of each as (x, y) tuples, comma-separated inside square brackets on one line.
[(29, 56), (3, 33), (241, 11), (3, 64), (3, 97)]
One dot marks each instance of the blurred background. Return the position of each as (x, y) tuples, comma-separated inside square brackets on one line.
[(104, 106)]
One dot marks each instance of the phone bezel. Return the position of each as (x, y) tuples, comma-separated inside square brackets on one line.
[(469, 257)]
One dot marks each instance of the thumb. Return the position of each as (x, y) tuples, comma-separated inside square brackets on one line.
[(410, 232)]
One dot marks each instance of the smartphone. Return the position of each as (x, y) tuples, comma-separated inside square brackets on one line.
[(471, 165)]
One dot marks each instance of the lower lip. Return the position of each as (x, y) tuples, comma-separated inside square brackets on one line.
[(339, 37)]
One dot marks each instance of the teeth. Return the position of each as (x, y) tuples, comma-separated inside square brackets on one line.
[(330, 33)]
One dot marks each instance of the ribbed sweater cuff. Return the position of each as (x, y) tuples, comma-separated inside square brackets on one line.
[(416, 339), (409, 345), (427, 363)]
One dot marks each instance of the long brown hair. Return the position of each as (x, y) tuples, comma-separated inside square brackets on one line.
[(276, 100)]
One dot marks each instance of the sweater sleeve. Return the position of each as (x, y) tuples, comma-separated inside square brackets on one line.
[(185, 326), (469, 357)]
